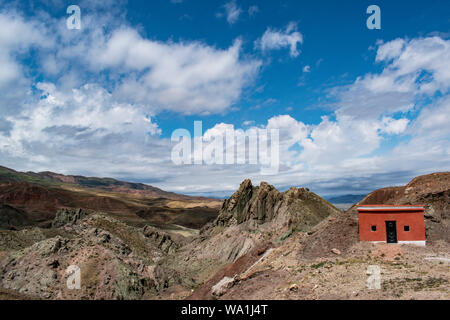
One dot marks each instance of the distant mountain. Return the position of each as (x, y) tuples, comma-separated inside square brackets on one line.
[(34, 198), (348, 198), (256, 240), (48, 178)]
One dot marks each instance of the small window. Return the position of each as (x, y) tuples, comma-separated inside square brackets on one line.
[(406, 228), (374, 228)]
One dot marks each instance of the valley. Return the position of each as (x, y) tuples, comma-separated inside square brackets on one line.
[(137, 242)]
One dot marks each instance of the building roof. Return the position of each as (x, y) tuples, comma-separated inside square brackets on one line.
[(390, 208)]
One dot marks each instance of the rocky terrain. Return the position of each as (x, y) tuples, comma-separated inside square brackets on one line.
[(261, 244), (38, 196), (329, 262), (104, 184), (117, 261), (251, 220)]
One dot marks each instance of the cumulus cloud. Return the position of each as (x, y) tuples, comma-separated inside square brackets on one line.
[(352, 148), (378, 105), (406, 58), (87, 117), (183, 77), (95, 113), (189, 77), (85, 131), (274, 39), (75, 123), (411, 69), (312, 155), (17, 37), (290, 133)]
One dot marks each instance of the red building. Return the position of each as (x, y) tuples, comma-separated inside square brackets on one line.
[(392, 224)]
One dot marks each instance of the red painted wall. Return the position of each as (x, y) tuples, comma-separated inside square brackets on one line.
[(415, 221)]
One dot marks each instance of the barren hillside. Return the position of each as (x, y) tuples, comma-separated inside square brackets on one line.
[(328, 261), (261, 244), (40, 196)]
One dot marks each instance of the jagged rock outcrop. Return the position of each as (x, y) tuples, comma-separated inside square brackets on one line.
[(162, 240), (69, 215), (251, 217), (297, 208), (116, 261)]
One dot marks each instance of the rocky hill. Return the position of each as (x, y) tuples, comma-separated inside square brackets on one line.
[(326, 260), (295, 209), (117, 261), (253, 218), (262, 244), (47, 178), (37, 197)]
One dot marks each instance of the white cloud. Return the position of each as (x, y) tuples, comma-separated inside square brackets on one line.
[(343, 150), (273, 39), (430, 55), (187, 77), (291, 132), (232, 12), (75, 121), (390, 50), (183, 77), (394, 126), (364, 114), (89, 118), (412, 68), (306, 69), (98, 115)]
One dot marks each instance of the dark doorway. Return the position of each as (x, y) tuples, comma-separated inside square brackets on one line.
[(391, 231)]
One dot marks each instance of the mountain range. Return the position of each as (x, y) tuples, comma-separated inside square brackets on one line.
[(133, 241), (40, 195)]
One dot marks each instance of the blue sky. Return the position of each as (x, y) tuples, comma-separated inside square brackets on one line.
[(356, 108), (336, 43)]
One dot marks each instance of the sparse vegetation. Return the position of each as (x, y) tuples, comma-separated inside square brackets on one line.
[(130, 257)]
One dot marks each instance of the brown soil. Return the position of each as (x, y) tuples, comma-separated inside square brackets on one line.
[(307, 266), (231, 270), (340, 232), (285, 274), (42, 202)]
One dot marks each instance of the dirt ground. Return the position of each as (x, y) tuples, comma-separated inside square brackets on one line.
[(404, 274)]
